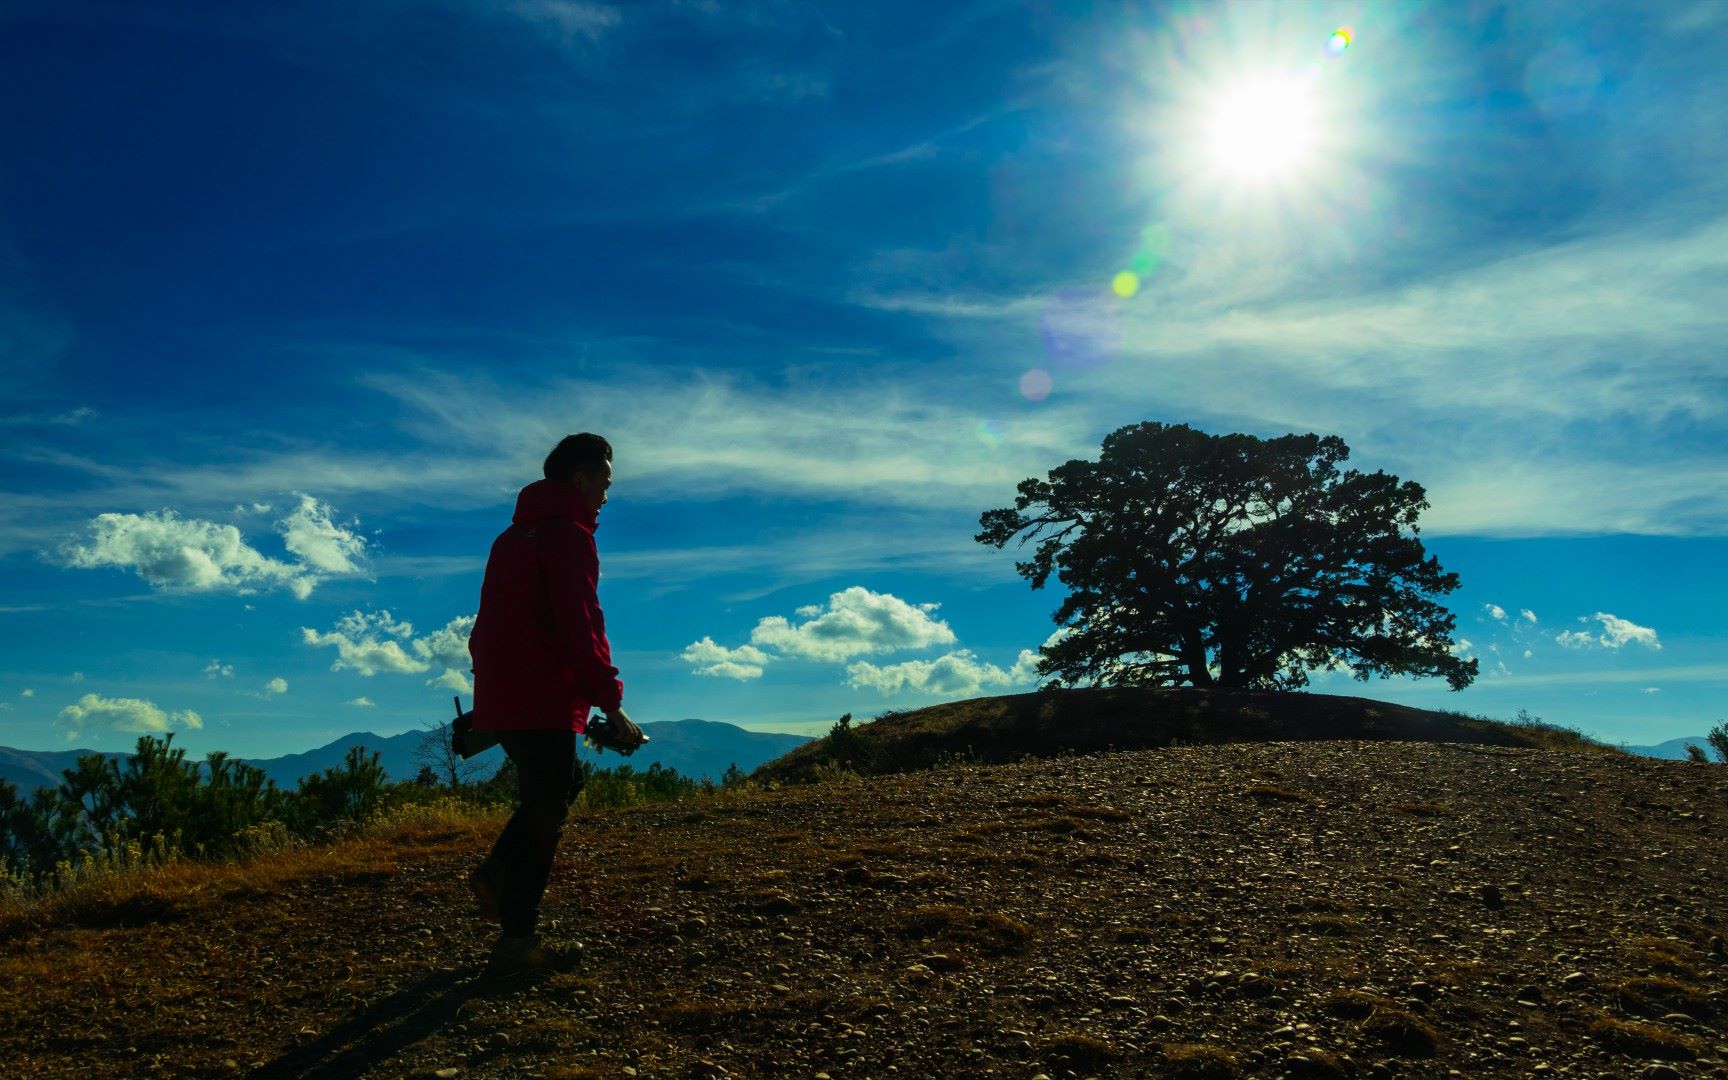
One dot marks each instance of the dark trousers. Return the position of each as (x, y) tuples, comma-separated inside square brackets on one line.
[(521, 861)]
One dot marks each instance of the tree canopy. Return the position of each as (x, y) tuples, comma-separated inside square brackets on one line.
[(1231, 561)]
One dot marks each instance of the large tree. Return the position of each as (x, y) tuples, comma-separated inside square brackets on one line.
[(1231, 561)]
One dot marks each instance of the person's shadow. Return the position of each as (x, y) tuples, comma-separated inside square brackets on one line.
[(384, 1028)]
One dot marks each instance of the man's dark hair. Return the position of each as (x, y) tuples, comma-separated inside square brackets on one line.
[(585, 452)]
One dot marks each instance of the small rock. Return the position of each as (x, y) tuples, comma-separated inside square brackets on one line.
[(1661, 1072), (1575, 980), (943, 962), (447, 1074)]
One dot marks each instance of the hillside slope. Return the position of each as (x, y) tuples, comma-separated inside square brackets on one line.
[(1328, 909), (1052, 722)]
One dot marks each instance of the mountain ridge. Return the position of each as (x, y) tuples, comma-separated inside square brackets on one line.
[(694, 747)]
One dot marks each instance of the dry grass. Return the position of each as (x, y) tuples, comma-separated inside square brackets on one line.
[(1644, 1040)]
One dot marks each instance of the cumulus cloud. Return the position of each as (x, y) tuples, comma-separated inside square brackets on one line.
[(175, 553), (1527, 615), (309, 532), (957, 674), (375, 642), (1652, 690), (1461, 647), (123, 714), (369, 643), (217, 668), (1495, 611), (27, 692), (360, 702), (1616, 633), (856, 622), (708, 658), (276, 686), (453, 680)]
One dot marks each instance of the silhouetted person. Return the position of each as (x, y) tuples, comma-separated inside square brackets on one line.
[(541, 663)]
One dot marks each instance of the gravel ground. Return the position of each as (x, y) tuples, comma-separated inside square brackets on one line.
[(1326, 909)]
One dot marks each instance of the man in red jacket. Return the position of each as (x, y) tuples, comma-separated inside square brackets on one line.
[(541, 662)]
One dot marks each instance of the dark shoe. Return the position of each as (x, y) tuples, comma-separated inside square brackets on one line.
[(485, 892), (526, 956)]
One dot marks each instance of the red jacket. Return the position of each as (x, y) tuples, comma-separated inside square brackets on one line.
[(541, 659)]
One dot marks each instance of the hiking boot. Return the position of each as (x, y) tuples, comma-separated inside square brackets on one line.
[(485, 892), (526, 956)]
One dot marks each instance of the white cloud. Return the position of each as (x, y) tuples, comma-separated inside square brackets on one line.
[(320, 543), (217, 668), (379, 642), (857, 621), (276, 686), (1527, 615), (124, 714), (453, 680), (27, 692), (708, 658), (1528, 654), (1652, 690), (360, 702), (448, 645), (1461, 647), (171, 552), (1495, 611), (77, 676), (1616, 633), (957, 674), (368, 643)]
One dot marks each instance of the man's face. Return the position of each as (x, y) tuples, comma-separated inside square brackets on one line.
[(593, 486)]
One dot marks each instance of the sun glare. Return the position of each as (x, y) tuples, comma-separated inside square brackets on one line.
[(1262, 131)]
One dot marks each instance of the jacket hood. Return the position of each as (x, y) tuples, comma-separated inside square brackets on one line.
[(550, 499)]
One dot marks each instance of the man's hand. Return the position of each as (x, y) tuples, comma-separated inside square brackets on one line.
[(622, 734)]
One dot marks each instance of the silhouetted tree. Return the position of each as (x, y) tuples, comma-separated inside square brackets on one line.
[(351, 792), (435, 750), (1230, 561), (1718, 739)]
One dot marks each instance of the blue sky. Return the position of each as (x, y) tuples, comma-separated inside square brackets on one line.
[(293, 299)]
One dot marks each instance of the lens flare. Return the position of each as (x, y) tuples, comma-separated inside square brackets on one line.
[(990, 433), (1339, 41), (1125, 284), (1035, 385)]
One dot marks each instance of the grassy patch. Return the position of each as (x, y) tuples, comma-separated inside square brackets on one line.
[(1082, 1053), (1198, 1061), (1643, 1040), (991, 931), (1655, 995)]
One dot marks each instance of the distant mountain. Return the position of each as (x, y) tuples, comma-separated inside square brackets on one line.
[(31, 769), (1673, 749), (695, 748)]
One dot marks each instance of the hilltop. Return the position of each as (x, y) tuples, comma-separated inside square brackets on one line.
[(1321, 908), (1052, 722)]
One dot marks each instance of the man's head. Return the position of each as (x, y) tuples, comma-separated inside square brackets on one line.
[(585, 463)]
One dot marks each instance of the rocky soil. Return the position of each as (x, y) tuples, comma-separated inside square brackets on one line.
[(1317, 909)]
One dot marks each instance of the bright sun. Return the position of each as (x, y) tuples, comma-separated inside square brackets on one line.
[(1263, 130)]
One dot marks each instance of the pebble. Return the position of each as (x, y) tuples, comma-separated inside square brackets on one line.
[(1661, 1072), (447, 1074)]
